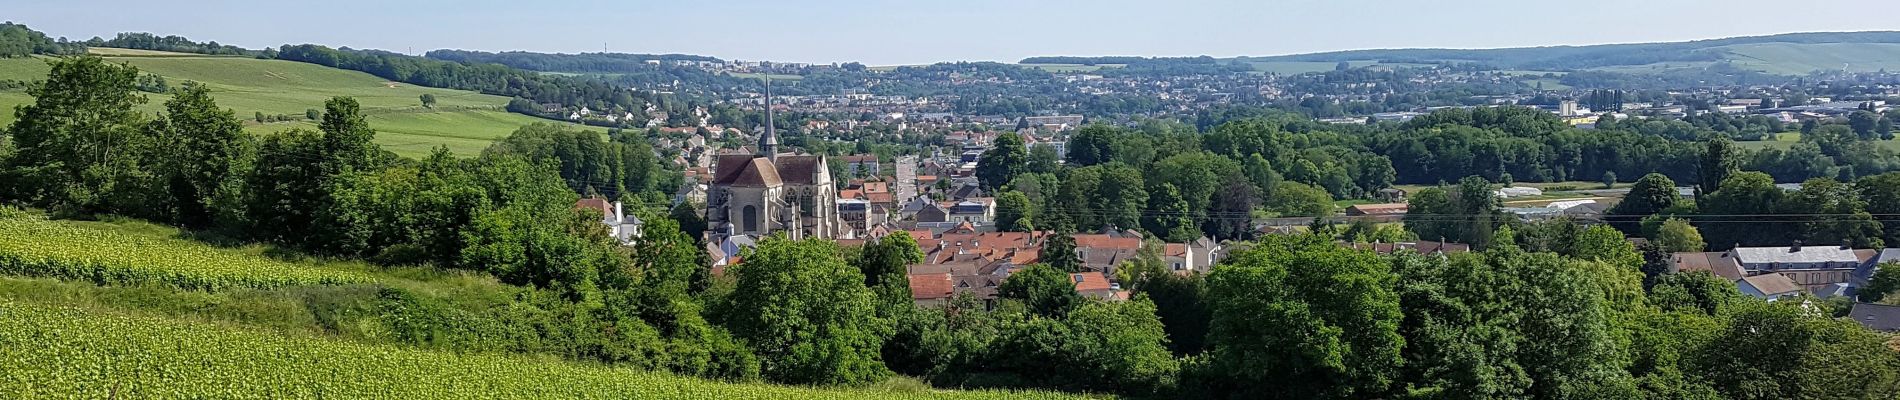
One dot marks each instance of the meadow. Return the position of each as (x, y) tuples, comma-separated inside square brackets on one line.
[(465, 121)]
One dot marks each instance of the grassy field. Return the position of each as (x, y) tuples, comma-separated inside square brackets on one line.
[(57, 351), (464, 121), (108, 52), (1800, 59), (1545, 83)]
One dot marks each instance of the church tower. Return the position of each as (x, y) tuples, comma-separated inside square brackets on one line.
[(768, 142)]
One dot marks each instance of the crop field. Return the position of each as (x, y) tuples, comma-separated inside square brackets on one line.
[(36, 247), (464, 121), (53, 351), (1800, 59)]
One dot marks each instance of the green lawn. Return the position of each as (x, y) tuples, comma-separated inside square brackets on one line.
[(465, 121)]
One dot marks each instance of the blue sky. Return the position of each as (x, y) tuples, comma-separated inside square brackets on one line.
[(912, 32)]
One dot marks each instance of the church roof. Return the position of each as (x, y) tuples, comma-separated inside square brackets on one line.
[(730, 165), (799, 169), (759, 172)]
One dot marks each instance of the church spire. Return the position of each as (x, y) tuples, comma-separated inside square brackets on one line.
[(768, 142)]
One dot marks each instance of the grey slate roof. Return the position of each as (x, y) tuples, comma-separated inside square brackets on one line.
[(1789, 255), (1876, 316)]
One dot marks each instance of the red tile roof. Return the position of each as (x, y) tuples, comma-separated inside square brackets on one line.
[(1089, 281), (931, 286), (1101, 241)]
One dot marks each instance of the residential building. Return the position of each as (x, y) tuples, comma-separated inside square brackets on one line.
[(620, 225), (1879, 317), (1770, 287)]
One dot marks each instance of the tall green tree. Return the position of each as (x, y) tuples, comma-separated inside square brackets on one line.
[(1746, 194), (1720, 158), (1835, 215), (1301, 317), (1058, 251), (1014, 212), (1651, 194), (204, 151), (1093, 144), (1043, 289), (1170, 218), (806, 313), (885, 264), (1043, 159), (1002, 162), (78, 146), (1885, 281), (1677, 236)]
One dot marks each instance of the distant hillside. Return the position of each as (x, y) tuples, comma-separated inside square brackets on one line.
[(465, 121), (605, 63), (1793, 53), (1784, 54)]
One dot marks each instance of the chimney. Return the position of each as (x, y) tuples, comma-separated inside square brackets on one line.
[(618, 215), (1847, 244), (1796, 248)]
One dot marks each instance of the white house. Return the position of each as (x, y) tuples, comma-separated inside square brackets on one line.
[(621, 226)]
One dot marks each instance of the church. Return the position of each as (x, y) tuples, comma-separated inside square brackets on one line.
[(768, 192)]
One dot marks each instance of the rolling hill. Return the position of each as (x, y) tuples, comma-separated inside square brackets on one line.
[(1786, 54), (465, 121)]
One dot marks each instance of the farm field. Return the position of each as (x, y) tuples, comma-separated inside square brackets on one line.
[(60, 351), (106, 254), (1800, 59), (464, 121)]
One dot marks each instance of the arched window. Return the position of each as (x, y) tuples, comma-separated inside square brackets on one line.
[(751, 216)]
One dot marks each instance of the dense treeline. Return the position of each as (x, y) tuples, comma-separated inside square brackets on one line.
[(608, 63), (16, 40), (486, 78), (174, 43)]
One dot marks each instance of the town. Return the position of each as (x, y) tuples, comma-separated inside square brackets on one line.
[(918, 201)]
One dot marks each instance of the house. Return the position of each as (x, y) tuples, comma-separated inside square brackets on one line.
[(1769, 287), (936, 284), (930, 212), (975, 210), (1715, 262), (620, 225), (1879, 317), (1816, 268), (860, 165), (1095, 285)]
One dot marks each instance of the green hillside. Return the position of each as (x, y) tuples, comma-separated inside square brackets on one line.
[(1800, 59), (1787, 54), (463, 120), (50, 350)]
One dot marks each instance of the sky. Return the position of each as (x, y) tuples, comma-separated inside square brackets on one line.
[(896, 32)]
